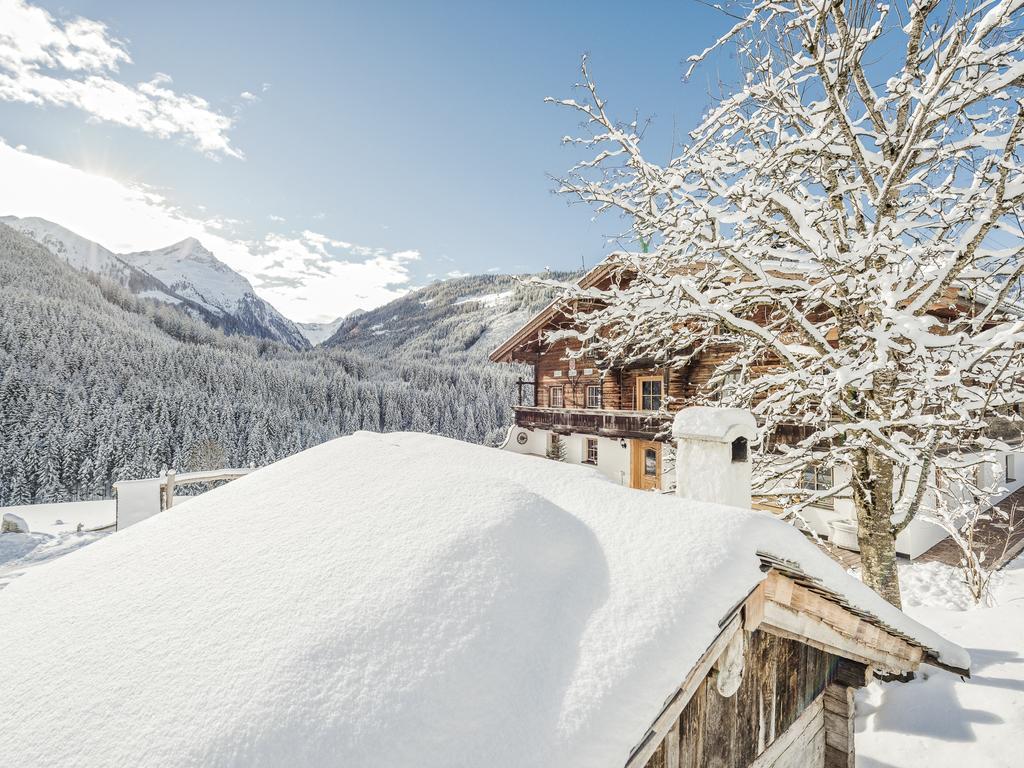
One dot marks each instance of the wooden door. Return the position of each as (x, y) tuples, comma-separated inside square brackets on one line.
[(646, 465)]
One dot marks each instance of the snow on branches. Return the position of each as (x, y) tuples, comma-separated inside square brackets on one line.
[(845, 226)]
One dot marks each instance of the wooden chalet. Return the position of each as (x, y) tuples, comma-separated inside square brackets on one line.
[(618, 419), (595, 410)]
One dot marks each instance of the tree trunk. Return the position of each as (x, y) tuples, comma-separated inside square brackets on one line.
[(872, 495)]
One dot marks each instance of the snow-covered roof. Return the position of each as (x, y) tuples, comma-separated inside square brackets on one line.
[(721, 425), (387, 600)]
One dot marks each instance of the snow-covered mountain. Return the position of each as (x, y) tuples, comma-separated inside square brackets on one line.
[(185, 274), (317, 333), (461, 318), (193, 399), (87, 256), (194, 274)]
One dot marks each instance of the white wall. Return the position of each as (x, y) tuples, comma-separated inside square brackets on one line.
[(612, 459), (706, 472), (536, 441), (918, 537), (136, 500), (1016, 473)]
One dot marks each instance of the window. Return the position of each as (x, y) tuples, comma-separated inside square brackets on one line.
[(650, 462), (555, 397), (593, 396), (649, 393), (817, 478), (590, 455), (1010, 476)]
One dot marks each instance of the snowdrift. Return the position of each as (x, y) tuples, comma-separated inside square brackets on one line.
[(385, 600)]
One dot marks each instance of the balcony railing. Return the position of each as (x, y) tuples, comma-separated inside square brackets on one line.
[(643, 425)]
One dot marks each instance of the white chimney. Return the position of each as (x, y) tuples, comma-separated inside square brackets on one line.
[(713, 454)]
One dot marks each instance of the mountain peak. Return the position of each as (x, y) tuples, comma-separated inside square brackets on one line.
[(190, 242), (191, 248), (185, 273)]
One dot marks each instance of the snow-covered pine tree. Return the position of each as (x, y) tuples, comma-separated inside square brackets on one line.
[(845, 226), (556, 448)]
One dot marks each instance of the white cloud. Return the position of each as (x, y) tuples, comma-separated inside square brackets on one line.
[(73, 63), (312, 274), (309, 276)]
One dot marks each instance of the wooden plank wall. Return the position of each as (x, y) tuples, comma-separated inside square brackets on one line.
[(781, 678), (574, 390), (618, 387)]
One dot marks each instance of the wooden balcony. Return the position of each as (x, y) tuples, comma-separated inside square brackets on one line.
[(642, 425)]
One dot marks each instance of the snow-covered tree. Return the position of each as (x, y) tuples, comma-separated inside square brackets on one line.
[(982, 532), (844, 225), (556, 448)]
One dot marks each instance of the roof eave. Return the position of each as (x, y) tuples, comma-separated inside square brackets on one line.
[(503, 354)]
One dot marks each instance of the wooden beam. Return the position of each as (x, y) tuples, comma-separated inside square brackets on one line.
[(852, 674), (168, 488), (672, 746), (862, 633), (778, 588), (810, 630), (839, 727), (753, 609), (770, 757)]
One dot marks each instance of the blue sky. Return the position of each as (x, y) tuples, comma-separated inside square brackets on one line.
[(377, 146)]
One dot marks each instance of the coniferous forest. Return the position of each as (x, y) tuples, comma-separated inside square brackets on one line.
[(98, 385)]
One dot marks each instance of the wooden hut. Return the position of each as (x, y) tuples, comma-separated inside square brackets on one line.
[(776, 687)]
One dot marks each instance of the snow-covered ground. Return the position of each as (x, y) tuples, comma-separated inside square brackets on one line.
[(491, 609), (939, 720), (487, 299), (21, 551), (55, 519), (53, 532)]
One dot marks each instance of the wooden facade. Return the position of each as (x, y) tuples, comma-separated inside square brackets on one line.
[(560, 383), (784, 686)]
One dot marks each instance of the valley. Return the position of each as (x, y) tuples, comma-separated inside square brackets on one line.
[(115, 367)]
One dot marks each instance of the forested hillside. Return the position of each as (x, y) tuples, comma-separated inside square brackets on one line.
[(98, 385), (464, 317)]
